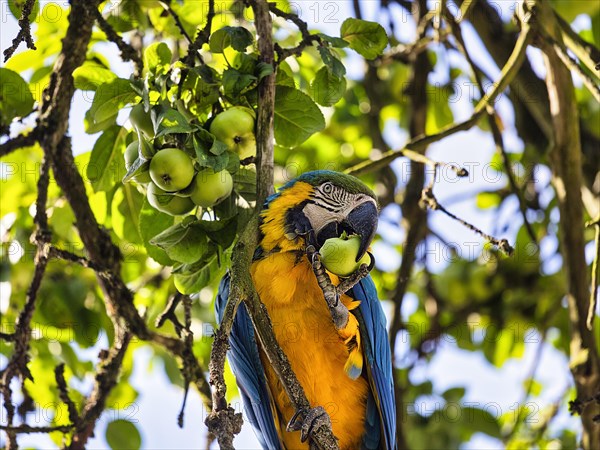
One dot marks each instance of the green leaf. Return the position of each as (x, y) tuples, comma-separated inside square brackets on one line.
[(92, 127), (297, 117), (210, 152), (285, 75), (237, 37), (244, 183), (111, 97), (15, 97), (481, 421), (157, 56), (153, 222), (334, 41), (130, 208), (90, 75), (172, 121), (454, 395), (128, 15), (234, 82), (190, 278), (122, 434), (107, 166), (263, 69), (367, 38), (333, 64), (198, 91), (184, 242), (139, 166), (221, 232), (487, 200), (327, 89)]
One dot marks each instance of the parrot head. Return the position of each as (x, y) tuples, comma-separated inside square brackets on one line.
[(317, 206)]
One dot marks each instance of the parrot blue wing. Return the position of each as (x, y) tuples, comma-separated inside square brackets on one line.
[(381, 406), (246, 365)]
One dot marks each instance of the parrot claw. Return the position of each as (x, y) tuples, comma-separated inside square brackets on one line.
[(339, 312), (314, 419)]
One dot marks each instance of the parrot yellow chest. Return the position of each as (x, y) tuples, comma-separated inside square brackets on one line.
[(316, 350)]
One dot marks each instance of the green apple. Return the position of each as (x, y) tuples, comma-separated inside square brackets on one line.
[(131, 154), (168, 203), (235, 128), (141, 120), (171, 169), (211, 188), (339, 255)]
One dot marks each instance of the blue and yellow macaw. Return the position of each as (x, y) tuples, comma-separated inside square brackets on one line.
[(340, 354)]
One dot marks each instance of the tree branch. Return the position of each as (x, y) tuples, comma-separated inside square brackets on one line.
[(201, 37), (223, 421), (103, 256), (491, 115), (128, 53), (565, 162), (63, 391), (307, 37), (595, 276), (17, 365), (24, 34), (586, 52), (418, 144), (429, 199), (106, 379), (21, 141), (414, 218)]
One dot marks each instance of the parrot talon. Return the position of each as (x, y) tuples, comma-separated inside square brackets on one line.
[(314, 418), (339, 312)]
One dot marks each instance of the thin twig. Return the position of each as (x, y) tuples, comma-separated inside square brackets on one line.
[(187, 370), (428, 199), (586, 52), (166, 4), (63, 392), (419, 143), (201, 37), (307, 37), (595, 276), (105, 380), (26, 429), (169, 314), (21, 141), (491, 115), (17, 365), (128, 53), (24, 34), (57, 253), (591, 84)]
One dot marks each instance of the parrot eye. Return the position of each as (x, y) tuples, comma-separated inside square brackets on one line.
[(327, 188)]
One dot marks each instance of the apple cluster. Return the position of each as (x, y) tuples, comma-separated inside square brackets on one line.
[(175, 183)]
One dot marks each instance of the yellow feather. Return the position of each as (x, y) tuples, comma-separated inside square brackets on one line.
[(318, 353)]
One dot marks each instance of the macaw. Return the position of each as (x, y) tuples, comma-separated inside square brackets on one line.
[(339, 352)]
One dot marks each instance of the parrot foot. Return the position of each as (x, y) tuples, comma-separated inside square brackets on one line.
[(314, 419), (339, 312)]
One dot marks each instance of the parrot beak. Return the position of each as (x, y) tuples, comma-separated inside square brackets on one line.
[(362, 220)]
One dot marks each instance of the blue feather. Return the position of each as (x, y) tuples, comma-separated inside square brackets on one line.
[(381, 406), (246, 365)]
